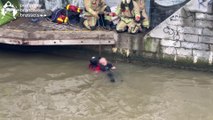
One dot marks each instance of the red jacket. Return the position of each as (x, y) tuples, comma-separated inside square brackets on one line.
[(95, 68)]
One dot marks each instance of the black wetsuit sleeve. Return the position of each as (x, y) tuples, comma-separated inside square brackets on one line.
[(107, 67), (102, 68)]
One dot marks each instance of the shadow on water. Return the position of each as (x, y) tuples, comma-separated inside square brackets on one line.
[(72, 51)]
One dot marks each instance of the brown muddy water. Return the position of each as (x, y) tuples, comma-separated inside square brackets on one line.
[(44, 85)]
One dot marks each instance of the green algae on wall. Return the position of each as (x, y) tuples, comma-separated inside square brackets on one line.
[(151, 44)]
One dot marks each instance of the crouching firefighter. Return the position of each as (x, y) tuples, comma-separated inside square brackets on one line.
[(96, 10), (129, 13)]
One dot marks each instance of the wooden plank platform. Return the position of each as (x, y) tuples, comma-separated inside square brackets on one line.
[(24, 32)]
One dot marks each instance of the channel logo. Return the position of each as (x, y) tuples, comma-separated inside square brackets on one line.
[(9, 7)]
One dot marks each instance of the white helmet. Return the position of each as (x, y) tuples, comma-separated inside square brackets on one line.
[(126, 1)]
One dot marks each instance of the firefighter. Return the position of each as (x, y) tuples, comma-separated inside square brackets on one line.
[(144, 16), (129, 13), (93, 10)]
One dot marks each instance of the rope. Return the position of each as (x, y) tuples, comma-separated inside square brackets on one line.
[(100, 49)]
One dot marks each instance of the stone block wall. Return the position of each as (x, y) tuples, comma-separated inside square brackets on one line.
[(185, 35)]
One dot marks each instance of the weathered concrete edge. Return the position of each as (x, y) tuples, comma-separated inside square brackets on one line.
[(12, 41), (21, 37)]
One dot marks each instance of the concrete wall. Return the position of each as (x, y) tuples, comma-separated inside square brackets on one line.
[(185, 35)]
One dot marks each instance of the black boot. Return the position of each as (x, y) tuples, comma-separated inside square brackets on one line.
[(108, 25)]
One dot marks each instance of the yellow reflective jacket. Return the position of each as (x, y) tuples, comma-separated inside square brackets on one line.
[(94, 6), (127, 15)]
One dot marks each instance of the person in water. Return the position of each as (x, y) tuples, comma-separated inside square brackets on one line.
[(105, 65), (101, 64)]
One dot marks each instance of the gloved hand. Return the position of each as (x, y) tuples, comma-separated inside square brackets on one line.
[(114, 49), (138, 18), (112, 14), (146, 23), (96, 15)]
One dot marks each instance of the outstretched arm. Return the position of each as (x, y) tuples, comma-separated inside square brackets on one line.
[(143, 9), (136, 11)]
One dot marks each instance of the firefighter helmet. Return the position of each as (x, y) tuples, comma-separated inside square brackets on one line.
[(126, 1)]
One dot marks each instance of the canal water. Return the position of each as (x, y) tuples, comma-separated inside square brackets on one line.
[(55, 84)]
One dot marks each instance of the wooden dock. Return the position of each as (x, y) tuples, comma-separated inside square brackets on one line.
[(24, 32)]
